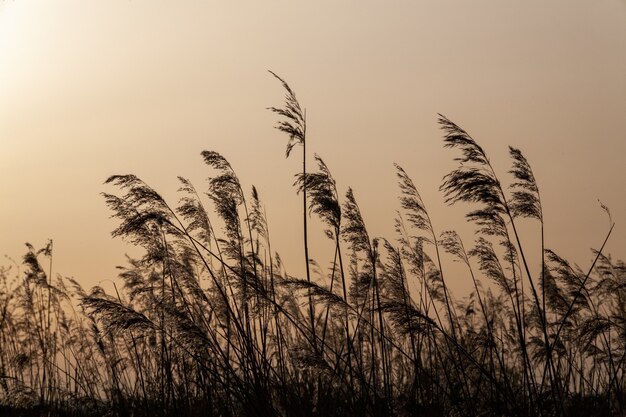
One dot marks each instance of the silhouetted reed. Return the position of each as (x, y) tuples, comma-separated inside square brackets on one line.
[(207, 321)]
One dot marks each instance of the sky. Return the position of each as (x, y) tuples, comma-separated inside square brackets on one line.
[(90, 88)]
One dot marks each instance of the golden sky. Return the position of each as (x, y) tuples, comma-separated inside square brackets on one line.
[(94, 88)]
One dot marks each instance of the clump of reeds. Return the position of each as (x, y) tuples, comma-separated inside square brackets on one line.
[(208, 321)]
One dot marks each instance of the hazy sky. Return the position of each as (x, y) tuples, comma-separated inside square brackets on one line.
[(94, 88)]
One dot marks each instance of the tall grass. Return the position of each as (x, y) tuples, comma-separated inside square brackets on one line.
[(209, 322)]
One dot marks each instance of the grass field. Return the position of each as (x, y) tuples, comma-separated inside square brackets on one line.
[(208, 322)]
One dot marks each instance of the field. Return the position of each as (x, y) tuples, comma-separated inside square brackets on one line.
[(208, 322)]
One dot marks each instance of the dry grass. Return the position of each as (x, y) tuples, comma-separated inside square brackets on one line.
[(208, 322)]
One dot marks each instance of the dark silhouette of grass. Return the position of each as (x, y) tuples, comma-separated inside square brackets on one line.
[(208, 322)]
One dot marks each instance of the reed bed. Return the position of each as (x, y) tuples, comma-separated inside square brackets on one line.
[(208, 321)]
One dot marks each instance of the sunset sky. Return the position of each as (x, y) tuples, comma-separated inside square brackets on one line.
[(94, 88)]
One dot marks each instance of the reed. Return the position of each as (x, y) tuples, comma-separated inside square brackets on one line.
[(207, 321)]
